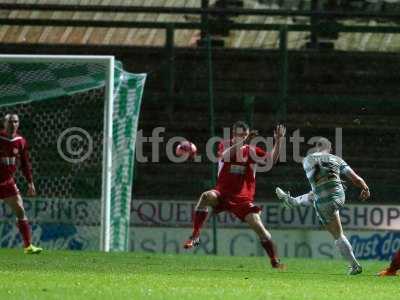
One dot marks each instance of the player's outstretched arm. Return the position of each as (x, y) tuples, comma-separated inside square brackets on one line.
[(228, 152), (279, 134), (358, 182), (237, 143)]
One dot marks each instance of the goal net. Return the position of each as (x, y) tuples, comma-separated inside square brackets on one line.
[(79, 115)]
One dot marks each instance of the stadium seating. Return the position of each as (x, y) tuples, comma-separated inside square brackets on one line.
[(187, 38)]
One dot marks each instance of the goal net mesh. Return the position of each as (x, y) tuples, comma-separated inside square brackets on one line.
[(61, 111)]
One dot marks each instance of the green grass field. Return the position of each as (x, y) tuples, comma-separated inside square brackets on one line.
[(94, 275)]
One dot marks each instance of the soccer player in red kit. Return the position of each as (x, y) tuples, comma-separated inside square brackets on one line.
[(236, 185), (14, 149), (394, 266)]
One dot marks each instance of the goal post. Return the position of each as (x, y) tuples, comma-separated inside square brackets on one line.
[(105, 236), (26, 80)]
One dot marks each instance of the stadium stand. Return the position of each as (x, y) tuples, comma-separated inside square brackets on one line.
[(187, 38)]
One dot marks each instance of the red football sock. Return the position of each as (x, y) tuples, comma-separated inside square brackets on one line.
[(271, 250), (395, 264), (25, 231), (199, 216)]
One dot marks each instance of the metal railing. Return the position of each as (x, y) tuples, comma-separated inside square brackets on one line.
[(199, 11)]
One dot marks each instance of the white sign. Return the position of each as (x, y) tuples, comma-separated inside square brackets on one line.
[(243, 242), (86, 212), (274, 215)]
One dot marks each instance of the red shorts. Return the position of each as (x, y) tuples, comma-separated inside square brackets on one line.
[(238, 206), (8, 189)]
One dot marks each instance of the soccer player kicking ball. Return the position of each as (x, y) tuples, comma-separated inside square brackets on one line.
[(13, 147), (236, 186), (394, 266), (323, 171)]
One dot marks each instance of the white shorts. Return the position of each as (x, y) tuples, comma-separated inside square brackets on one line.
[(327, 211)]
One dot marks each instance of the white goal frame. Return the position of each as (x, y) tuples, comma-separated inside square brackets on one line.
[(109, 63)]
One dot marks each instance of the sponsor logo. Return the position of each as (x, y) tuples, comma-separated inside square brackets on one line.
[(376, 246), (238, 169), (52, 236), (8, 161)]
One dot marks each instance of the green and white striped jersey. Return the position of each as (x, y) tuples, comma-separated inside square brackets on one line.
[(323, 171)]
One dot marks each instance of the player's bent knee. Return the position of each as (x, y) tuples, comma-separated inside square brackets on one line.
[(17, 206), (253, 219), (20, 212), (211, 196), (334, 228), (208, 198)]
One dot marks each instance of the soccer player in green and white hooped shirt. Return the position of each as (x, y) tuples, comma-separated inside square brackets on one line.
[(323, 171)]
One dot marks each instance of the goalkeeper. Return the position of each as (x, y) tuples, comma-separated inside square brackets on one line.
[(13, 150)]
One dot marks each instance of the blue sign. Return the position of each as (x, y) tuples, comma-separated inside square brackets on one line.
[(376, 246)]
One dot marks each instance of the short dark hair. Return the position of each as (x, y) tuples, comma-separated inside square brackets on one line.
[(240, 124)]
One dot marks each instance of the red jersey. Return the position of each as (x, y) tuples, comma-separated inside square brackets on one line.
[(237, 178), (13, 150)]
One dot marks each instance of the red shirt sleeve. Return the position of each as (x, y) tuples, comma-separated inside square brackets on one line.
[(260, 154), (26, 166)]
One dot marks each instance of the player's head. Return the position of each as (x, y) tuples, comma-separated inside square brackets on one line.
[(11, 123), (324, 145), (240, 130)]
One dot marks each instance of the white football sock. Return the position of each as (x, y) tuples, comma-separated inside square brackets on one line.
[(346, 250), (303, 200)]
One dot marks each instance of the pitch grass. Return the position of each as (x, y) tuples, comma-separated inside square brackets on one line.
[(94, 275)]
